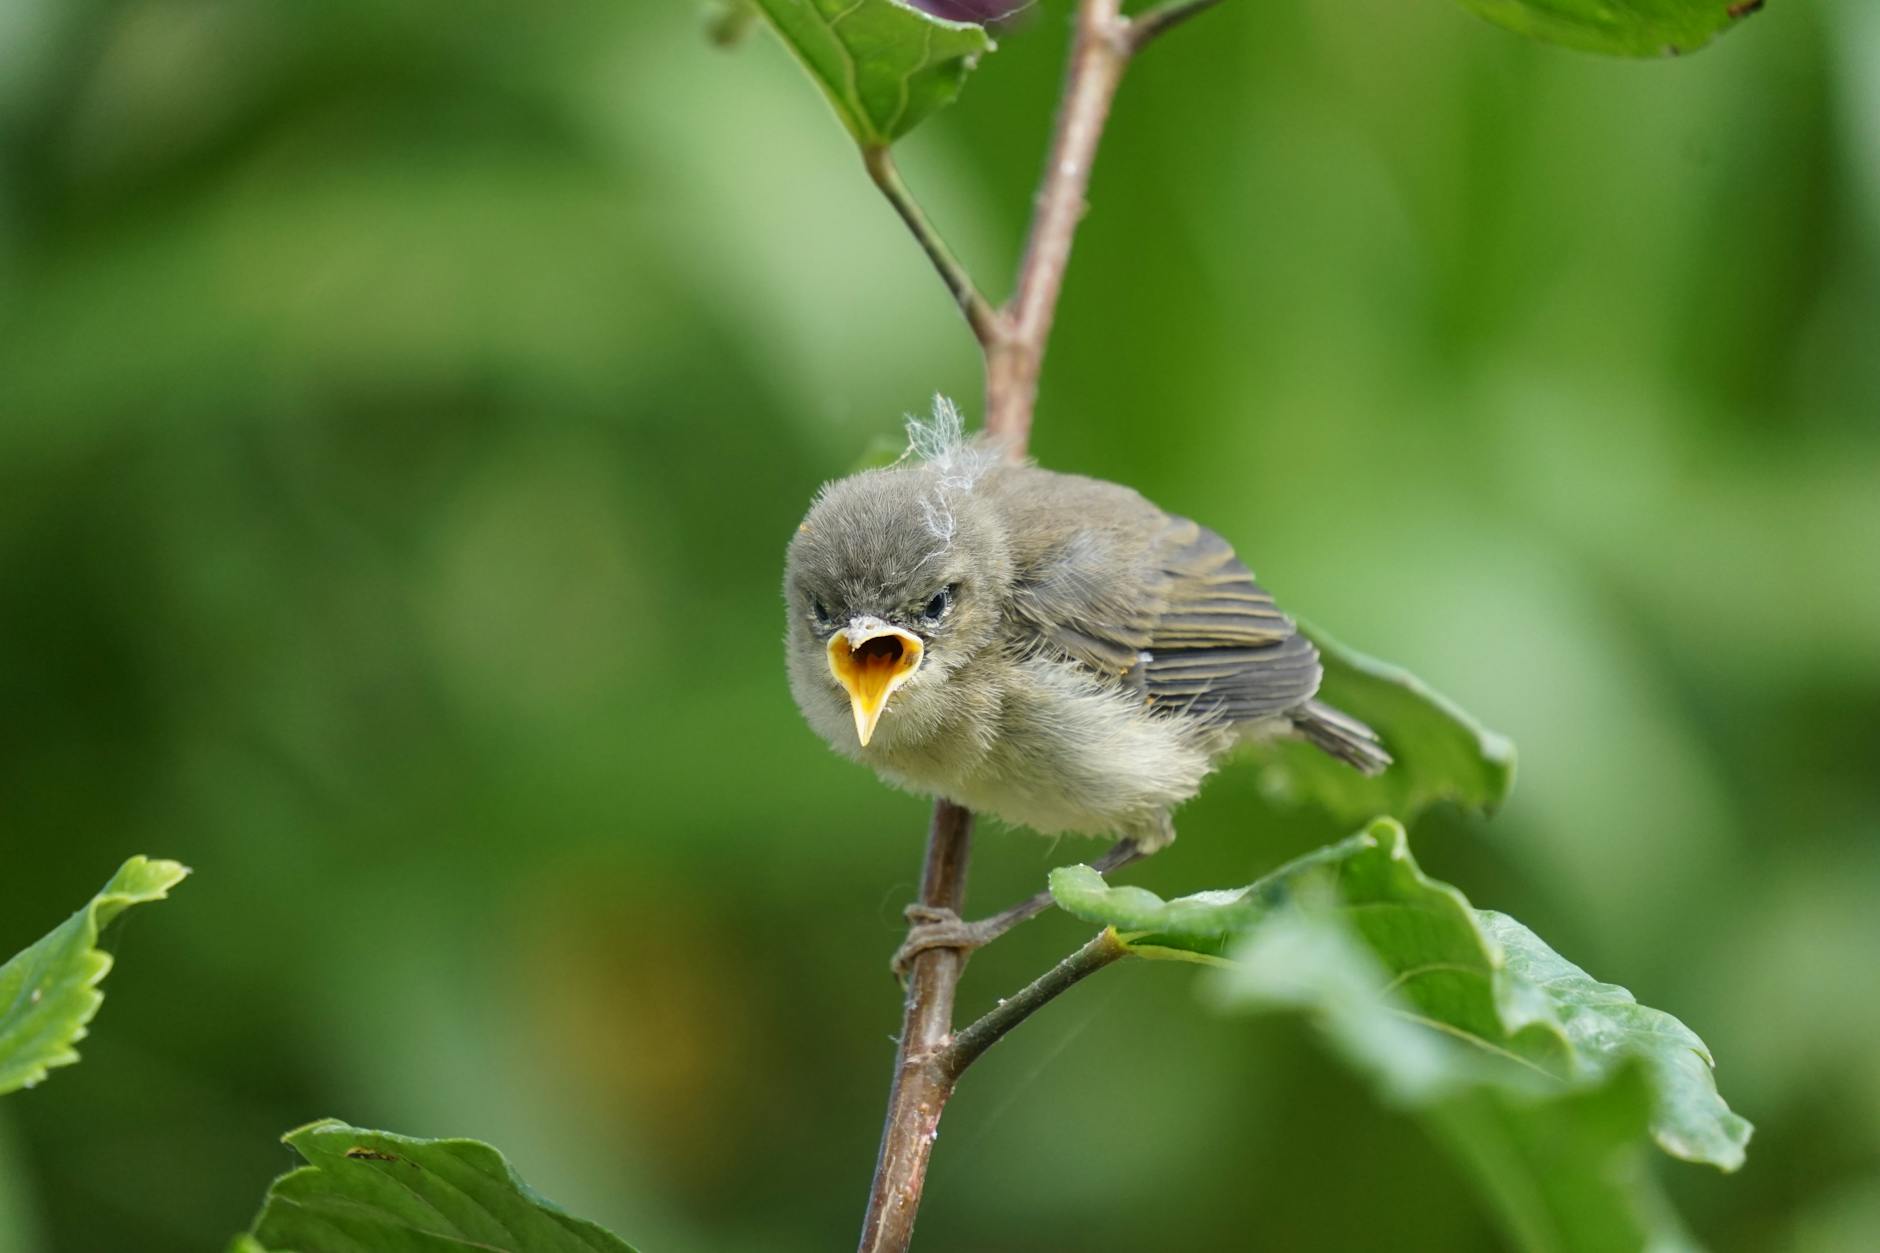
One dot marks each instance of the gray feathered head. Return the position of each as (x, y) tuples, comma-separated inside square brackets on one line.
[(895, 575)]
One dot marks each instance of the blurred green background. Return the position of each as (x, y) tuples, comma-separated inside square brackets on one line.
[(403, 409)]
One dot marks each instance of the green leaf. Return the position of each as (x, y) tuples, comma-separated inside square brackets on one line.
[(1627, 28), (1603, 1022), (1439, 981), (393, 1194), (50, 991), (1441, 753), (1564, 1167), (884, 66), (1545, 1083)]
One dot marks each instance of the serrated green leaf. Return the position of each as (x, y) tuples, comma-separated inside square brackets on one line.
[(1562, 1164), (395, 1194), (1627, 28), (1441, 753), (1528, 1018), (50, 991), (884, 67), (1690, 1118)]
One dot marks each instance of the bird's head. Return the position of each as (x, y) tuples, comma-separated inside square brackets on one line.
[(893, 581)]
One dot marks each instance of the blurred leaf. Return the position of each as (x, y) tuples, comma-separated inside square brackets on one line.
[(392, 1194), (20, 1229), (50, 991), (1565, 1174), (1442, 754), (1630, 28), (884, 66), (1423, 990)]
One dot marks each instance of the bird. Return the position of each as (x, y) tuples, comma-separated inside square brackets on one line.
[(1053, 650)]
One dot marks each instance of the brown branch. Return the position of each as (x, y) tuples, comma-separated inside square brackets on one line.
[(927, 1073), (1099, 53), (920, 1089), (929, 1059)]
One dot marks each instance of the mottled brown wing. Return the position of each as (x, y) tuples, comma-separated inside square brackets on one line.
[(1179, 620)]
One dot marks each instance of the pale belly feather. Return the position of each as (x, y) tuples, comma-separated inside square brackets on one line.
[(1068, 753)]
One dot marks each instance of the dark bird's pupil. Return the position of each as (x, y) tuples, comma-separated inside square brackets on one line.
[(822, 614), (938, 605)]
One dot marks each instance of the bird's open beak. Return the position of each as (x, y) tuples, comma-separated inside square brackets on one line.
[(870, 659)]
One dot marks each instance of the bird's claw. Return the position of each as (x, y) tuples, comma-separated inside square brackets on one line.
[(936, 927)]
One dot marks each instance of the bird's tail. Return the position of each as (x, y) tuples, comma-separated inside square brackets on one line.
[(1341, 735)]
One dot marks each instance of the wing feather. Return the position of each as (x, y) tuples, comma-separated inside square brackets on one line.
[(1179, 619)]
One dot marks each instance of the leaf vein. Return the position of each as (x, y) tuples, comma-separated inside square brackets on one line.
[(1469, 1037)]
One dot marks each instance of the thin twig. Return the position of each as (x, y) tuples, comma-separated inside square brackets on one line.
[(1156, 21), (973, 1041), (980, 315)]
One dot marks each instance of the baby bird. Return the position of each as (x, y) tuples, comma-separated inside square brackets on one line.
[(1052, 650)]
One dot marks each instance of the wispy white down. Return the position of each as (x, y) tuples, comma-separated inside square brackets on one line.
[(940, 441)]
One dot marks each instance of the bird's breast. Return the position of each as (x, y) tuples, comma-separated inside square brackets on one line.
[(1060, 750)]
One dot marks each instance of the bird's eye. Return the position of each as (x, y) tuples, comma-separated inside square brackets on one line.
[(820, 610), (942, 601)]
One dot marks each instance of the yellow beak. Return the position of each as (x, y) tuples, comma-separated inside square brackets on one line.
[(870, 659)]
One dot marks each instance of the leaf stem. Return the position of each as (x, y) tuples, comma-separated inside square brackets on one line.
[(1161, 18), (980, 315)]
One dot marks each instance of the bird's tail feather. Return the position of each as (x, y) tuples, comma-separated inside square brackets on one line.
[(1341, 735)]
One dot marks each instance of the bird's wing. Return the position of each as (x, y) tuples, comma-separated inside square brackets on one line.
[(1171, 612)]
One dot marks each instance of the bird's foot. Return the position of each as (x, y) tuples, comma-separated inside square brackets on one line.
[(934, 927)]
